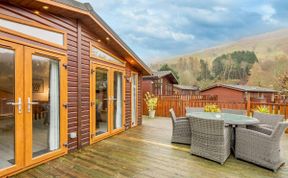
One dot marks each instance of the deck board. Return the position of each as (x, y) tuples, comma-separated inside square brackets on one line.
[(146, 151)]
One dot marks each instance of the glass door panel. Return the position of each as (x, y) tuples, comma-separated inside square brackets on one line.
[(117, 100), (102, 101), (7, 109), (11, 107), (44, 105), (134, 99)]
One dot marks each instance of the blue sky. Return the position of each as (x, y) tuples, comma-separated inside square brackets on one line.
[(157, 29)]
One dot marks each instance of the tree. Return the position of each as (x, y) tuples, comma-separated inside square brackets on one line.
[(205, 73), (283, 83), (166, 67), (236, 65)]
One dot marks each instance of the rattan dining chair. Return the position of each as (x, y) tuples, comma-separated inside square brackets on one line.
[(260, 145), (268, 120), (210, 139), (181, 132)]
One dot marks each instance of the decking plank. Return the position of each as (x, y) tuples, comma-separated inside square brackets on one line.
[(146, 151)]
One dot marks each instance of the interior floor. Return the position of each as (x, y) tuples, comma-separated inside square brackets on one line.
[(102, 128), (40, 140)]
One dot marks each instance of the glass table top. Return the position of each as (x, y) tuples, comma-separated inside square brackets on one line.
[(233, 119)]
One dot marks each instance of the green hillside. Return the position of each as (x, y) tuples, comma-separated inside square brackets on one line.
[(271, 50)]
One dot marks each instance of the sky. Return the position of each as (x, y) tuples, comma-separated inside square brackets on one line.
[(160, 29)]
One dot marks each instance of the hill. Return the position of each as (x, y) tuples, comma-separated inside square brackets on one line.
[(270, 48)]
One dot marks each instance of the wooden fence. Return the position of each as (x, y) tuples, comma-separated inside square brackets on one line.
[(179, 103)]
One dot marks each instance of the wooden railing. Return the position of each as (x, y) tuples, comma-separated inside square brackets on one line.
[(179, 103), (274, 108)]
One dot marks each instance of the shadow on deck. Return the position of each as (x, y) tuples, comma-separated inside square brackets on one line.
[(146, 151)]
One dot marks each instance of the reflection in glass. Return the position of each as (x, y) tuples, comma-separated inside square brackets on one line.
[(117, 102), (45, 105), (7, 115), (101, 101)]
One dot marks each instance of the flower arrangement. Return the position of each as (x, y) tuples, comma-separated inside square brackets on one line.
[(151, 101), (211, 108), (262, 109)]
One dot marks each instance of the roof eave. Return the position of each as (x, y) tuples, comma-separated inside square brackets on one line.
[(85, 9), (238, 89), (113, 33)]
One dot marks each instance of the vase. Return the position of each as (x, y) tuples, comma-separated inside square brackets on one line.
[(152, 114)]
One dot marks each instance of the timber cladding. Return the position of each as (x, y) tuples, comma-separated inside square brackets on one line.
[(79, 38)]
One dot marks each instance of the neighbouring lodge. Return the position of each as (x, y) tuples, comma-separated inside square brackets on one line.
[(186, 90), (165, 83), (159, 83), (240, 93), (66, 81)]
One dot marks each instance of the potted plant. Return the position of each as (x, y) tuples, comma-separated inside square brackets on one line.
[(211, 108), (262, 109), (151, 102)]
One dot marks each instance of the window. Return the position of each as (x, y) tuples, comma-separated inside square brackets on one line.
[(101, 54), (54, 37), (169, 89), (157, 87)]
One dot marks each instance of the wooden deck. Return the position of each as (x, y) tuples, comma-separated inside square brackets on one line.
[(146, 151)]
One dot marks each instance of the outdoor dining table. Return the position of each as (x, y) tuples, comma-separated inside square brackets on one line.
[(234, 120), (230, 119)]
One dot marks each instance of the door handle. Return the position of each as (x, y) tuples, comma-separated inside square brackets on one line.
[(29, 102), (19, 104)]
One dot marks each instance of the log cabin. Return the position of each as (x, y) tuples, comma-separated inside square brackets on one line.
[(67, 80), (159, 83), (185, 90), (240, 93)]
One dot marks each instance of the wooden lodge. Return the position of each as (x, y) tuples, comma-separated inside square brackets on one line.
[(240, 93), (66, 81), (164, 83), (186, 90), (159, 83)]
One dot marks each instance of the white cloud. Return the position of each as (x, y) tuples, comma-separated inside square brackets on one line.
[(156, 23), (162, 32), (220, 9), (267, 12), (157, 28)]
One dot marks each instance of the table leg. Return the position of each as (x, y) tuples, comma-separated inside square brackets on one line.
[(233, 139)]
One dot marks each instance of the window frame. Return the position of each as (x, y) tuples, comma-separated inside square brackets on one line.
[(94, 45), (35, 25)]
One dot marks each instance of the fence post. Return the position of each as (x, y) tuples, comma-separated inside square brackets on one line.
[(248, 104)]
